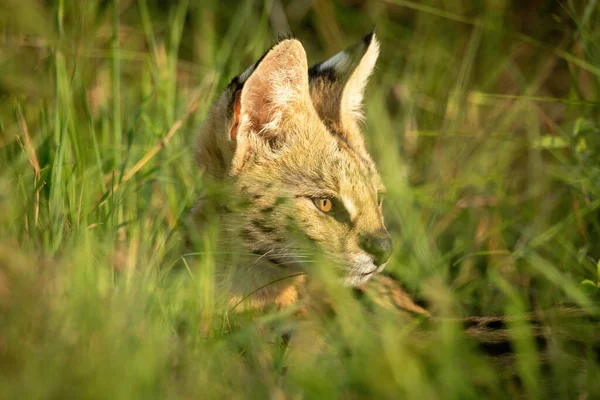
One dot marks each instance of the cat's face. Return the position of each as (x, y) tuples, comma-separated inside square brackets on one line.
[(289, 139)]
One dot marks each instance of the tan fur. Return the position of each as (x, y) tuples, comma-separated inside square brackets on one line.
[(291, 142), (295, 136)]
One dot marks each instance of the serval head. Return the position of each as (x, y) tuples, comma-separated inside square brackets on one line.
[(288, 140)]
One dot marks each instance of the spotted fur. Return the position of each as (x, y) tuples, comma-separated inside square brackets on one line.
[(278, 137)]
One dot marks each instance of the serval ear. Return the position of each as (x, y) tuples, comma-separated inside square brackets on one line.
[(337, 85), (249, 117)]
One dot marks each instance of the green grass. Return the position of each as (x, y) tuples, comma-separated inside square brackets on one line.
[(483, 118)]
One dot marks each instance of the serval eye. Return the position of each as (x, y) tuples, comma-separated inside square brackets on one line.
[(324, 205)]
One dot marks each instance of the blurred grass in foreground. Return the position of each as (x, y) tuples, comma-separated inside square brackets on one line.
[(483, 118)]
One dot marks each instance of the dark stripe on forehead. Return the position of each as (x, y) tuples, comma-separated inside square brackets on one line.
[(368, 167), (346, 145)]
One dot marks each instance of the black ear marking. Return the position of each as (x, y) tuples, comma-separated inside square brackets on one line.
[(369, 37), (316, 71), (340, 66), (284, 36)]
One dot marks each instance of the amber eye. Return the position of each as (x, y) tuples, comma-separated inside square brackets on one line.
[(324, 205)]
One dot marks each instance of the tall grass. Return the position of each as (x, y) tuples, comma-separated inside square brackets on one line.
[(483, 118)]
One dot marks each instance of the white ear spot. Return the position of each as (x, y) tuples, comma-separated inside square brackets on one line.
[(336, 62)]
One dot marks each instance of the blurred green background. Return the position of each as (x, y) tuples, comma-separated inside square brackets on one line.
[(483, 119)]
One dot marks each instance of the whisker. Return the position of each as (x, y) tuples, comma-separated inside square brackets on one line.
[(295, 262)]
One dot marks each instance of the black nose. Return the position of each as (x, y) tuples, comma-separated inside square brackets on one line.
[(379, 246)]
